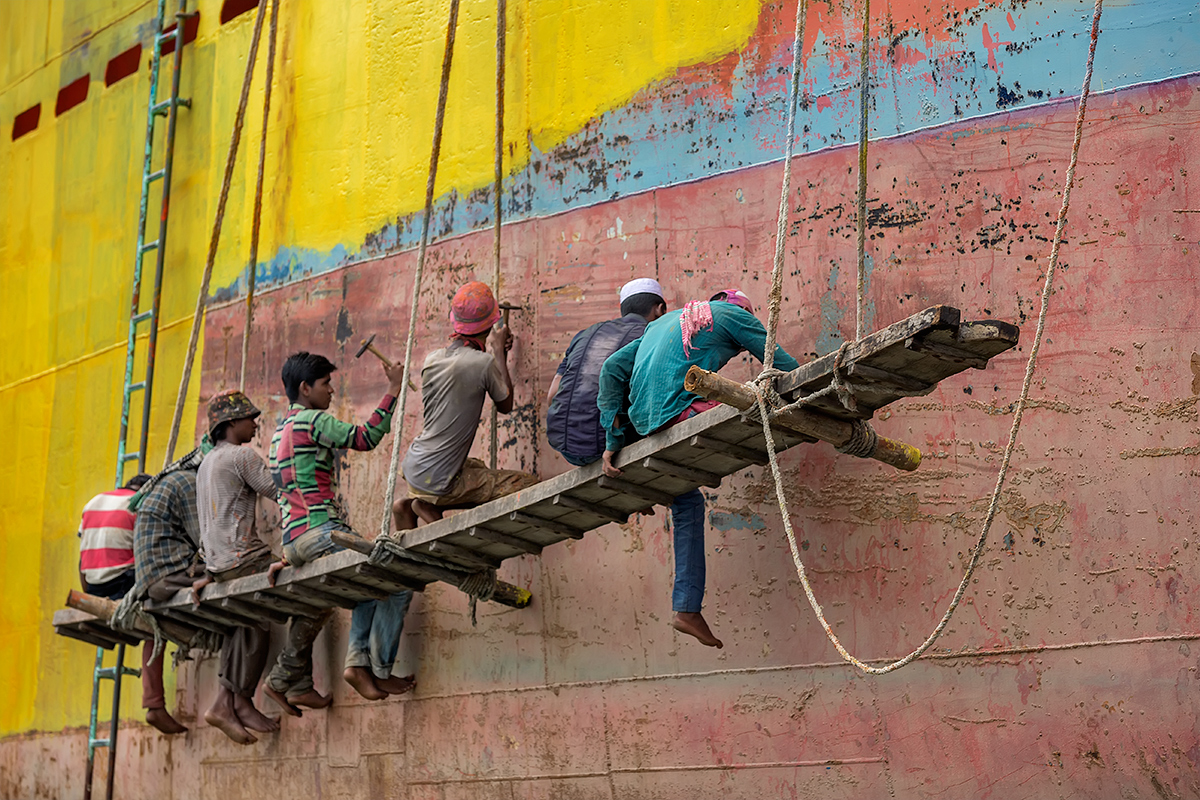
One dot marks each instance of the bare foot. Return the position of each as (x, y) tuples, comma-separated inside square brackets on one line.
[(393, 684), (428, 512), (311, 699), (251, 717), (693, 624), (164, 722), (274, 570), (363, 682), (222, 717), (282, 701), (403, 516), (197, 588)]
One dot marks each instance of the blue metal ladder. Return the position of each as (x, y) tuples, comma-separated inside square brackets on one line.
[(165, 108)]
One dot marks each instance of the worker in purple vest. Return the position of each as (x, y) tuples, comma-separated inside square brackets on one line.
[(573, 420), (641, 387)]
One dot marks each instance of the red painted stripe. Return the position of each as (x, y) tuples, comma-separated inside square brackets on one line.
[(104, 557), (115, 518)]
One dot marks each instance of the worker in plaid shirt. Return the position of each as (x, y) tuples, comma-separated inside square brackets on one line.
[(166, 554)]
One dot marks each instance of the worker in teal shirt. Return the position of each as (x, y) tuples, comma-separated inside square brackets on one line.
[(641, 392)]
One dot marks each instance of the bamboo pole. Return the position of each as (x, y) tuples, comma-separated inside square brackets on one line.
[(837, 432), (102, 609)]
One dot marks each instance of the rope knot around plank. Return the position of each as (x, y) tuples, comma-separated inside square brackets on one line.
[(476, 585)]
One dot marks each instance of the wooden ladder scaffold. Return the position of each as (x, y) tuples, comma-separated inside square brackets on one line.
[(906, 359)]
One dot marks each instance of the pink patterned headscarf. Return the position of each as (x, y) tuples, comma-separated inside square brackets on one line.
[(697, 315)]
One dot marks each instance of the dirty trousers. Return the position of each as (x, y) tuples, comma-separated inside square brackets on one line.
[(375, 625), (152, 671), (475, 484), (244, 652)]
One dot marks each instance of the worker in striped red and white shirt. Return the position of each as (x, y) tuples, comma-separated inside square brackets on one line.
[(106, 542)]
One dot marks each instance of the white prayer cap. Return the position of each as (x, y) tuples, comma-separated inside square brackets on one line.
[(640, 286)]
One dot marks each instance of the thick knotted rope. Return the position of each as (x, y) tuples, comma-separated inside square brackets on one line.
[(479, 586), (129, 613), (476, 585)]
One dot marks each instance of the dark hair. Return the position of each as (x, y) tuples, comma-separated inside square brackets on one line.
[(137, 481), (642, 303), (304, 367), (719, 296), (217, 434)]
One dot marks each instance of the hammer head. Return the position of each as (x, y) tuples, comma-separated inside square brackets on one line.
[(366, 343), (506, 306)]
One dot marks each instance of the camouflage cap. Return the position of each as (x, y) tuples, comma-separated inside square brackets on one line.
[(229, 406)]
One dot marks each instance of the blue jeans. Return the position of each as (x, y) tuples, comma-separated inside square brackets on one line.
[(687, 520), (375, 625), (578, 461)]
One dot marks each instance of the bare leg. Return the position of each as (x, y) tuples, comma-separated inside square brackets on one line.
[(428, 512), (363, 682), (403, 517), (393, 684), (162, 720), (693, 624), (251, 717), (223, 717)]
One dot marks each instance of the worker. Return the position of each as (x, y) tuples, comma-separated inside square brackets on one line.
[(302, 456), (573, 420), (644, 381), (106, 542), (228, 484), (454, 381), (166, 549)]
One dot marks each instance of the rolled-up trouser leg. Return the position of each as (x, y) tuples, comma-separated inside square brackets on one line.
[(687, 519), (375, 628), (243, 658), (292, 673)]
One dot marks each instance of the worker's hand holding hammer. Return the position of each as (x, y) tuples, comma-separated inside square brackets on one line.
[(502, 339), (395, 376)]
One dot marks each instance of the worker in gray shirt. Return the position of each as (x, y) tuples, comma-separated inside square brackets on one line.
[(454, 382)]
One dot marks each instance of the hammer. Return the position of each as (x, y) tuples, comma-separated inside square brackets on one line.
[(507, 307), (368, 344)]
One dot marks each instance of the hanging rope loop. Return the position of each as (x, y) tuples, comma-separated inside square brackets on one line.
[(863, 434)]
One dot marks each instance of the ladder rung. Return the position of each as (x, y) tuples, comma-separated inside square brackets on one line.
[(142, 317), (161, 109), (154, 176), (98, 742), (135, 387), (148, 246), (132, 456)]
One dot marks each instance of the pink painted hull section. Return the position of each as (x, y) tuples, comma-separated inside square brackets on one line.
[(1084, 590)]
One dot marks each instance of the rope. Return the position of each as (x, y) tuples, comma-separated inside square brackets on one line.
[(129, 613), (1018, 414), (252, 270), (476, 585), (864, 96), (230, 160), (479, 586), (501, 31), (775, 299), (443, 90)]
